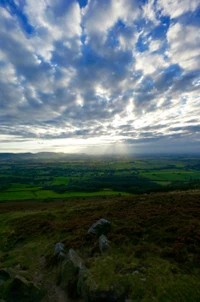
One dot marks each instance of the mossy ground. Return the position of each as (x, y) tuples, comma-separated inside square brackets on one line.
[(155, 239)]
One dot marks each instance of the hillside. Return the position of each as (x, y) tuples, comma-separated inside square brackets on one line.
[(155, 245)]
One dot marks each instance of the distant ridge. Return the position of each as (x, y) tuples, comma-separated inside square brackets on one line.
[(39, 155)]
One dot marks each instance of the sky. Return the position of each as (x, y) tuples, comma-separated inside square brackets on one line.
[(100, 76)]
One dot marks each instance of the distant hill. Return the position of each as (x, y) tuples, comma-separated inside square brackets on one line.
[(38, 156)]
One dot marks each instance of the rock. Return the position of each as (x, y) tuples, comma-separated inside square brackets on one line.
[(135, 272), (75, 258), (59, 251), (4, 276), (11, 273), (104, 296), (18, 267), (81, 288), (104, 243), (58, 255), (70, 271), (20, 290), (59, 248), (100, 227), (61, 256)]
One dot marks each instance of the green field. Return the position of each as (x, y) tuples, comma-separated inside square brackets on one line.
[(40, 179), (46, 194), (174, 175)]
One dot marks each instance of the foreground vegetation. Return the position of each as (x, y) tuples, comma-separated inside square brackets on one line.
[(155, 243)]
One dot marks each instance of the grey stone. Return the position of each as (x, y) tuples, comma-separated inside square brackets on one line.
[(75, 258), (59, 253), (61, 256), (83, 272), (104, 243), (59, 248), (102, 226), (20, 290), (70, 271)]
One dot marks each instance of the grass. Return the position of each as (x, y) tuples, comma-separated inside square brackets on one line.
[(48, 194), (171, 175), (61, 180), (45, 179), (155, 241)]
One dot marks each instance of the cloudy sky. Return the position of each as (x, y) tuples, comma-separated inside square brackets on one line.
[(100, 75)]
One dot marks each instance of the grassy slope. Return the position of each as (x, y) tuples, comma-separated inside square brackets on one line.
[(157, 235)]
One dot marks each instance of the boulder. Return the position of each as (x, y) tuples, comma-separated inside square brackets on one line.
[(104, 243), (102, 226), (59, 251), (20, 290), (70, 271), (75, 258), (10, 273), (58, 255), (59, 248)]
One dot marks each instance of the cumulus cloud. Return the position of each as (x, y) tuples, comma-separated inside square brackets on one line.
[(177, 8), (110, 71), (184, 45)]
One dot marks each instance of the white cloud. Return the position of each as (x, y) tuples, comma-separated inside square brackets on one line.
[(53, 86), (184, 45), (176, 8), (149, 12), (100, 16), (52, 26), (150, 63), (155, 45)]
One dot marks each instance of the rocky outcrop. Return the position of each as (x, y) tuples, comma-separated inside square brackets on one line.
[(104, 244), (59, 251), (77, 280), (102, 226), (70, 271), (59, 248), (18, 289)]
